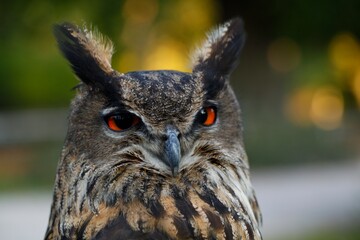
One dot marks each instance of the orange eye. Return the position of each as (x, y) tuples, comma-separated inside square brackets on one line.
[(207, 116), (122, 121)]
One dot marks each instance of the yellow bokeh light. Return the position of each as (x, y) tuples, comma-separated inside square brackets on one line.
[(284, 55), (323, 107), (298, 105), (195, 14), (356, 87), (167, 54), (327, 108), (154, 33), (345, 52)]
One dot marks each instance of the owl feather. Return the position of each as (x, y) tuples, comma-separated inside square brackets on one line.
[(153, 154), (88, 52)]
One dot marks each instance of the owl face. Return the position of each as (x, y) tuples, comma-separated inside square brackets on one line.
[(164, 115)]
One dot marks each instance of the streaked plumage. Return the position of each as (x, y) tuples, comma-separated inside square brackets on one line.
[(176, 168)]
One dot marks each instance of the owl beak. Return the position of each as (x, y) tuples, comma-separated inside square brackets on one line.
[(172, 150)]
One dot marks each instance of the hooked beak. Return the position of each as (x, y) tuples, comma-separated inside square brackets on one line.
[(172, 150)]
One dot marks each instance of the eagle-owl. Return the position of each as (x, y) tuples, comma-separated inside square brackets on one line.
[(153, 154)]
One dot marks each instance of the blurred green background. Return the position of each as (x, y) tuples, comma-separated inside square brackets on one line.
[(298, 80)]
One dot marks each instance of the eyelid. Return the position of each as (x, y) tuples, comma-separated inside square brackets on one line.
[(210, 103), (116, 110), (110, 110)]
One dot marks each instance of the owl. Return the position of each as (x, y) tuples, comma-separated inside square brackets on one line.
[(153, 154)]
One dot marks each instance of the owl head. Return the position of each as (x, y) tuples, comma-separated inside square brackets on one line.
[(164, 120)]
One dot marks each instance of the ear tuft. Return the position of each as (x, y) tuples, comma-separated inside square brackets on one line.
[(88, 52), (219, 54)]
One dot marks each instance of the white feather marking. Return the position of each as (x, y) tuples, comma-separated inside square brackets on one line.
[(187, 160), (106, 111), (81, 192), (156, 162), (204, 51), (148, 158), (99, 46), (241, 187)]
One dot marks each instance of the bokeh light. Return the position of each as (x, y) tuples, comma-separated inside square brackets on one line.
[(322, 106), (356, 87), (345, 52), (171, 51), (327, 108), (161, 38), (297, 106)]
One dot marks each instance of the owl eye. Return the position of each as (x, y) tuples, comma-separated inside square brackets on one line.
[(121, 121), (207, 116)]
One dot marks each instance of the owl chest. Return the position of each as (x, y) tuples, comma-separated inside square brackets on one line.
[(171, 213)]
